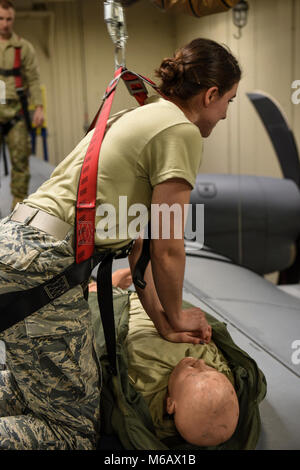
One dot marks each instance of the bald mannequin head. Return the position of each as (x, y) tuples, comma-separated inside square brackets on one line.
[(203, 401)]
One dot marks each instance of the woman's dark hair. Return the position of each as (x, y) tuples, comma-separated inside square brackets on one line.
[(199, 65)]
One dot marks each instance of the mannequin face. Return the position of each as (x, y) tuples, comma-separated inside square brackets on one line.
[(203, 401), (188, 370), (7, 18)]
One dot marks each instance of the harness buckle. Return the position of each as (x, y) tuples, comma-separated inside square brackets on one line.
[(111, 87), (123, 252), (133, 89), (139, 282), (57, 288)]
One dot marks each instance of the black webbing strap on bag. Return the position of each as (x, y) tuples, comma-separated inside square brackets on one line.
[(17, 305), (105, 296), (105, 302)]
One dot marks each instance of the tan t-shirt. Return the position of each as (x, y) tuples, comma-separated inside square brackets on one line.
[(143, 147), (151, 360)]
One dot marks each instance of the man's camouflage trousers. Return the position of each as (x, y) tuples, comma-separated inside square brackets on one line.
[(19, 146), (50, 392)]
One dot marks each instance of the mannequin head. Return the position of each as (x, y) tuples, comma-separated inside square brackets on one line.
[(203, 401)]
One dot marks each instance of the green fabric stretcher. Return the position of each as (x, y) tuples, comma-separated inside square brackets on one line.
[(126, 415)]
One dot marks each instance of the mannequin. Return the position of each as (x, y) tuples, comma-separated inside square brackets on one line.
[(203, 401)]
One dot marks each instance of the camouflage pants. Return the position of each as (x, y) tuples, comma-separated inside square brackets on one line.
[(19, 146), (54, 373), (19, 428)]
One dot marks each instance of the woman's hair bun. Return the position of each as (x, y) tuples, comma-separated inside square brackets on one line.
[(170, 71), (199, 65)]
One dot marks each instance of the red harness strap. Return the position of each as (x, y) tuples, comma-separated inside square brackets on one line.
[(17, 66), (87, 188)]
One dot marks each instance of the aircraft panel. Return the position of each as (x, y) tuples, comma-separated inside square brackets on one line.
[(260, 310), (280, 410)]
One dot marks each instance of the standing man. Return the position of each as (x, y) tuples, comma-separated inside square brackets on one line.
[(19, 71)]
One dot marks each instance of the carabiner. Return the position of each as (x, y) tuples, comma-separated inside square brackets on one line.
[(115, 19)]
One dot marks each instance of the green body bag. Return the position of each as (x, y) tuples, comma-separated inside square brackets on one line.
[(124, 412)]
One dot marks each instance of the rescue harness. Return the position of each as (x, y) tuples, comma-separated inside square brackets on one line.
[(16, 306), (7, 126)]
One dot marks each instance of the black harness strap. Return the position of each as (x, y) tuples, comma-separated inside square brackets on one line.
[(141, 265), (24, 102), (143, 261), (15, 72), (6, 127), (16, 306), (105, 296), (105, 301)]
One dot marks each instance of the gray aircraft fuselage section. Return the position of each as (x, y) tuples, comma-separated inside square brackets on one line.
[(280, 133), (280, 410), (268, 316), (264, 321)]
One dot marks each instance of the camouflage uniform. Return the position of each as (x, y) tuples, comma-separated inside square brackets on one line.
[(50, 398), (18, 139)]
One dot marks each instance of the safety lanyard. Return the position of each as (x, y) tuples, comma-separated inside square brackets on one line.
[(87, 188)]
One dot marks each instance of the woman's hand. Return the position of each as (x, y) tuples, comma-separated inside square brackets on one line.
[(194, 320), (195, 328)]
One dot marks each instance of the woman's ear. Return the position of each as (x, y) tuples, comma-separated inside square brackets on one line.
[(210, 95), (170, 405)]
